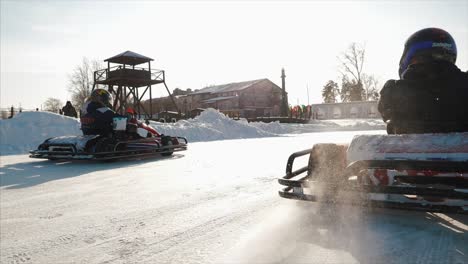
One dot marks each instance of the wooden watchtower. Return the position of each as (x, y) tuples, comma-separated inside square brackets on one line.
[(129, 84)]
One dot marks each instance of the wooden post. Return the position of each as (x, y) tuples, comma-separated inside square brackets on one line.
[(150, 92), (125, 98), (137, 102), (151, 103), (172, 98)]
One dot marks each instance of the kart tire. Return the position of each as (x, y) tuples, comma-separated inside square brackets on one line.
[(167, 141)]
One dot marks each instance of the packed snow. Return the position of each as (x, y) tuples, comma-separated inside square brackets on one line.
[(217, 202), (27, 130)]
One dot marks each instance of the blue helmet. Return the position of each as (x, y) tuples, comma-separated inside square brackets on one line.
[(428, 44)]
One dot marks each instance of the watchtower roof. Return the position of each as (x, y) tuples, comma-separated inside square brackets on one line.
[(129, 58)]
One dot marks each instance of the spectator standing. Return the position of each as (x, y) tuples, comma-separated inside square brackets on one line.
[(69, 110)]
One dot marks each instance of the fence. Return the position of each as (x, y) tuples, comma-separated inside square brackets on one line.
[(10, 112)]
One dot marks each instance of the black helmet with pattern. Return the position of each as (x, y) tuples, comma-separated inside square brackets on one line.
[(428, 44)]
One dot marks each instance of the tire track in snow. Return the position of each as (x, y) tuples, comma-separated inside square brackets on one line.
[(20, 258), (59, 247), (151, 249), (26, 256)]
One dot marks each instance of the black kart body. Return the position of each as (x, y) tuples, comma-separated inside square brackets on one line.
[(117, 145)]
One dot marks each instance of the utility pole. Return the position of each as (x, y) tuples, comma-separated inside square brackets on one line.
[(308, 94)]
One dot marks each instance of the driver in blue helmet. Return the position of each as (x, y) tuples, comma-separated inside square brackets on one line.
[(431, 95), (97, 115)]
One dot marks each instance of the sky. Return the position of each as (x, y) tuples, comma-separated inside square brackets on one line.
[(212, 42)]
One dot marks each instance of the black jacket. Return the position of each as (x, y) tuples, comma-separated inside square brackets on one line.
[(69, 110), (430, 98), (96, 119)]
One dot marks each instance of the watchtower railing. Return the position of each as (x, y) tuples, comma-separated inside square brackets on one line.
[(136, 73)]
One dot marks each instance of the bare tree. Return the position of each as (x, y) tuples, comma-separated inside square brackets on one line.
[(352, 62), (80, 82), (53, 105), (357, 85), (351, 69), (371, 87)]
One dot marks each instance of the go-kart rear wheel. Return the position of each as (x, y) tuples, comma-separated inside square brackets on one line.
[(167, 142), (104, 145)]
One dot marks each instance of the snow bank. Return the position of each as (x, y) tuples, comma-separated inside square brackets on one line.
[(27, 130), (211, 125)]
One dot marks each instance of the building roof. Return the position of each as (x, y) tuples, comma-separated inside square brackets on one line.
[(129, 58), (230, 87), (221, 98)]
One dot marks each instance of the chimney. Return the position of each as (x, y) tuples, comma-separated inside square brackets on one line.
[(284, 101)]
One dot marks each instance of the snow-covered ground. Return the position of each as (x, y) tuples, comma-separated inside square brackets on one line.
[(217, 202), (28, 129)]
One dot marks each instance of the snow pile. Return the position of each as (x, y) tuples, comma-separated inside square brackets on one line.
[(211, 125), (274, 127), (27, 130)]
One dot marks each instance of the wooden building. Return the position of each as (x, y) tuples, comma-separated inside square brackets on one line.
[(243, 99)]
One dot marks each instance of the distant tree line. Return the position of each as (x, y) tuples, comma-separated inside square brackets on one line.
[(356, 85)]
